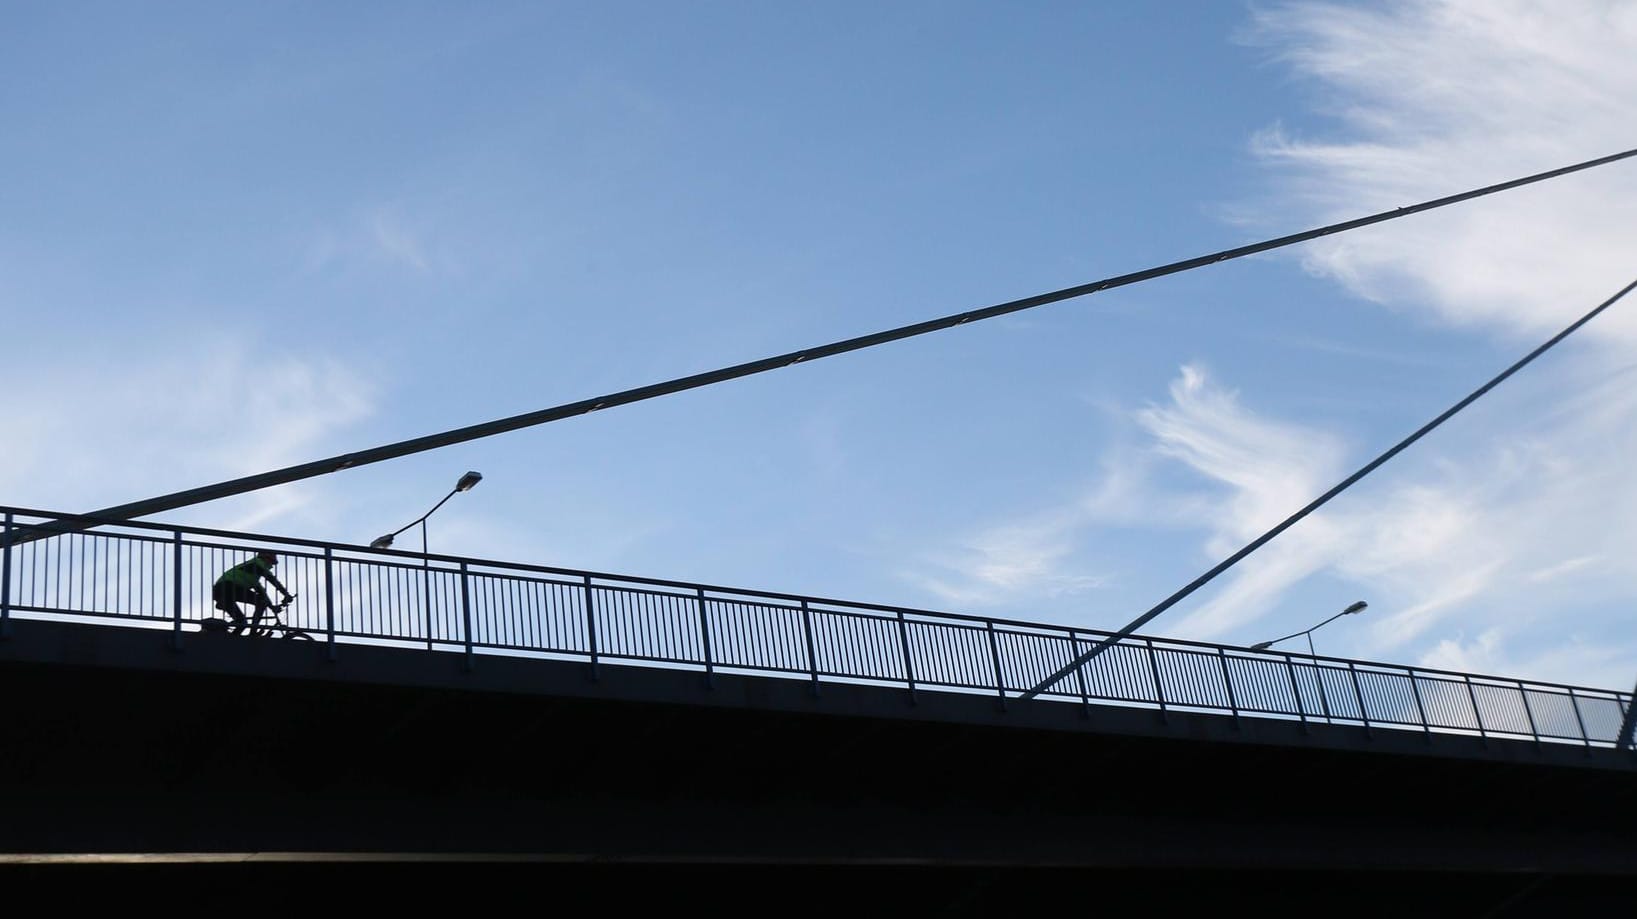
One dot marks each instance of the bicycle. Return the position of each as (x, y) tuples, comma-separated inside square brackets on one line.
[(262, 624)]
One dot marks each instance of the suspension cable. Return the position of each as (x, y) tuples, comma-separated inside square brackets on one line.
[(1316, 503), (530, 419)]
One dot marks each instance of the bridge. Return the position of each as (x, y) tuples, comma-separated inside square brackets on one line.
[(453, 708)]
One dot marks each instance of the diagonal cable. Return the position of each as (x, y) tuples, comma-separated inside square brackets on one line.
[(530, 419), (1369, 467)]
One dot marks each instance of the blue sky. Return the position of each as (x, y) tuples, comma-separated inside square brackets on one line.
[(237, 237)]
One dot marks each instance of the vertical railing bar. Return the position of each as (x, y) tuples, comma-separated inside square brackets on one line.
[(176, 600), (1529, 713), (329, 602), (1080, 675), (37, 565), (494, 625), (994, 657), (909, 665), (466, 614), (1301, 707), (1358, 693), (503, 624), (503, 628), (854, 638), (1575, 701), (1159, 690), (1227, 683), (861, 637), (1476, 713), (681, 646), (482, 606), (654, 611), (1415, 687), (591, 625), (705, 638), (812, 656), (5, 579), (516, 631), (630, 613), (1622, 740), (527, 621)]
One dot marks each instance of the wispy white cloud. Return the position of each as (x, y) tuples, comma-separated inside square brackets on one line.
[(395, 241), (1492, 535), (1272, 468), (1008, 561), (1435, 96), (1509, 531), (1486, 531), (382, 236), (124, 429)]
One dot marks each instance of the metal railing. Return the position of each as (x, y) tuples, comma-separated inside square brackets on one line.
[(161, 576)]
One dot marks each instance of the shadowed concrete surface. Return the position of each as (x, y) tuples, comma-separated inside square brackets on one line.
[(232, 758)]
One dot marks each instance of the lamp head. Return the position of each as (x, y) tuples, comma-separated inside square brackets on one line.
[(1261, 646), (382, 542), (468, 480), (1358, 607)]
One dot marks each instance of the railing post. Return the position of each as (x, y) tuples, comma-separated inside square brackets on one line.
[(1296, 690), (1426, 726), (1358, 694), (705, 636), (1476, 713), (591, 626), (1159, 690), (1079, 675), (1529, 713), (176, 590), (1318, 680), (1628, 720), (466, 614), (909, 664), (5, 579), (812, 658), (994, 658), (1579, 720), (1227, 681), (329, 601)]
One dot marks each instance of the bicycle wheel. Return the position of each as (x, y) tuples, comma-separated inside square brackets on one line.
[(297, 635)]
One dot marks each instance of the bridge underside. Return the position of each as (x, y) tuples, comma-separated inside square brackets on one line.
[(237, 749)]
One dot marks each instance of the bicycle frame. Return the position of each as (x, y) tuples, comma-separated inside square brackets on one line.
[(264, 622), (274, 622)]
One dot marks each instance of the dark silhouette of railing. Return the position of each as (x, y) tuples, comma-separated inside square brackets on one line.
[(53, 565)]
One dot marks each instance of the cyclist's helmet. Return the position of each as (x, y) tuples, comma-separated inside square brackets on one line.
[(268, 556)]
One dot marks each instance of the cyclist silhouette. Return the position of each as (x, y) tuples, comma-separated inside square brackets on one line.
[(242, 584)]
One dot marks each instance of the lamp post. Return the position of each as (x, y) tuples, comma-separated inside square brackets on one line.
[(466, 483), (1358, 607)]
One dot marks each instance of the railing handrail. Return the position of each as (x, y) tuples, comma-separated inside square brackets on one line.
[(581, 576)]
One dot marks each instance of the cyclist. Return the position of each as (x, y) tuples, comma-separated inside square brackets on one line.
[(242, 584)]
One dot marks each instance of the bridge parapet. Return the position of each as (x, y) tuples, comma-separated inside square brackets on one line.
[(63, 567)]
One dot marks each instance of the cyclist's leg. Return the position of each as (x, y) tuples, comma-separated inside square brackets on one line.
[(264, 608), (228, 597)]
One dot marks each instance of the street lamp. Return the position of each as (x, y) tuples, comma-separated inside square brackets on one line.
[(466, 483), (1357, 607)]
